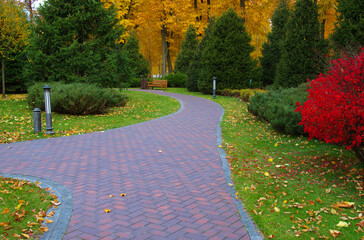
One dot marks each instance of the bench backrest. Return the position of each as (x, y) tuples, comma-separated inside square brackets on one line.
[(159, 81)]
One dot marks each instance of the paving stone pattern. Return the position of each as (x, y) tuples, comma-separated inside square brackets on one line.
[(178, 193)]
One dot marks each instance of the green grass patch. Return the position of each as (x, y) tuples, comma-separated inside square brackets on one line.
[(23, 208), (291, 187), (16, 123)]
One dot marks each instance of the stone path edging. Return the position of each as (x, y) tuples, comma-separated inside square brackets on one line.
[(62, 214)]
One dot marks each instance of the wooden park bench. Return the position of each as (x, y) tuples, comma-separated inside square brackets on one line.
[(158, 83)]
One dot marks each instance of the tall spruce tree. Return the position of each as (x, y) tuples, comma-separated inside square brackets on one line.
[(188, 49), (300, 48), (137, 62), (194, 70), (349, 29), (227, 55), (77, 41), (272, 48)]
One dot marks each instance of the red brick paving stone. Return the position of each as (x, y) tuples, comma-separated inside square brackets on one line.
[(182, 186)]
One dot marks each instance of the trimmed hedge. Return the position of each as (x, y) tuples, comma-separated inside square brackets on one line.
[(76, 98), (278, 107), (177, 79), (243, 94)]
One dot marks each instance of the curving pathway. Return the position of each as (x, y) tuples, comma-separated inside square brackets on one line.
[(169, 169)]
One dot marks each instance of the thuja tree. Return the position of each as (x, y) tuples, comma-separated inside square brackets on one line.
[(195, 67), (272, 48), (137, 62), (349, 29), (77, 41), (227, 55), (188, 49), (334, 111), (301, 47)]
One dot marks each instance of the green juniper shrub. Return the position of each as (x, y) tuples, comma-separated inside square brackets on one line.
[(134, 82), (76, 98), (177, 79), (278, 108), (188, 49), (226, 92), (226, 55)]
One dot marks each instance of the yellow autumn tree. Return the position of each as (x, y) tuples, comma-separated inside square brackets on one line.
[(161, 24), (13, 32)]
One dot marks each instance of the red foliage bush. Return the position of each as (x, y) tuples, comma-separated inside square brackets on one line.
[(334, 111)]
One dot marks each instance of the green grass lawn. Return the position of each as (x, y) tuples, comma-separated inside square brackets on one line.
[(16, 123), (23, 209), (292, 188)]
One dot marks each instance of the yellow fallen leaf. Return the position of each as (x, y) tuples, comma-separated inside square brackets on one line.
[(107, 210), (342, 224), (160, 151), (333, 211), (219, 146), (266, 174), (111, 195), (285, 201), (43, 229), (334, 233), (276, 209), (276, 144), (19, 206), (25, 235), (49, 221), (123, 194), (270, 159), (6, 210), (31, 224)]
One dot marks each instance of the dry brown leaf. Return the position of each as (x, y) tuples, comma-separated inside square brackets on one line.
[(49, 221), (319, 200), (6, 210), (334, 233), (361, 223), (344, 205), (4, 224), (16, 235)]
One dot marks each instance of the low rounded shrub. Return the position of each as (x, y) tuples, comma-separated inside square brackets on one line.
[(176, 80), (76, 98), (278, 107)]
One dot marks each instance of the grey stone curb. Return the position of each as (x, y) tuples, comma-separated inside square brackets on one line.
[(249, 224), (62, 214)]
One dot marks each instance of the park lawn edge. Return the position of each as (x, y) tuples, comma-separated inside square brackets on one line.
[(290, 202)]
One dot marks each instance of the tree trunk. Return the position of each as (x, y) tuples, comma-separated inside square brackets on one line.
[(359, 152), (3, 75), (323, 29), (242, 6), (169, 62), (164, 50)]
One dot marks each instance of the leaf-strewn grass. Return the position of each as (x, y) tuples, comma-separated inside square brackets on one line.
[(16, 123), (293, 188), (23, 208)]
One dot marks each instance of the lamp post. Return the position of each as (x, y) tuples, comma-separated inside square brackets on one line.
[(47, 100), (214, 88)]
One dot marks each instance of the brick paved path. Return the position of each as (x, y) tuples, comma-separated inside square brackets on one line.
[(179, 193)]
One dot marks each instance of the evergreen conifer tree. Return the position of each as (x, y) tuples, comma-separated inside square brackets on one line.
[(227, 55), (349, 29), (188, 49), (272, 48), (137, 62), (77, 41), (301, 46), (194, 70)]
